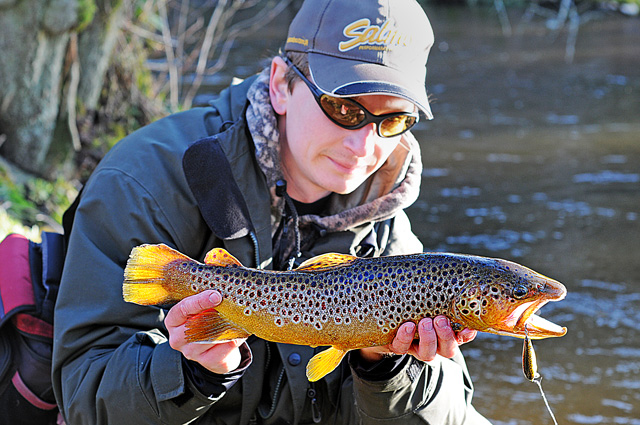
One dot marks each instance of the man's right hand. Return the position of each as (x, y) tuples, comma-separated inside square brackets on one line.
[(218, 357)]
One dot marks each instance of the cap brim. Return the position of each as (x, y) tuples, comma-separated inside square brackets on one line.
[(345, 77)]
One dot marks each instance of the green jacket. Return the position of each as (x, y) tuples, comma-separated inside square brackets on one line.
[(112, 360)]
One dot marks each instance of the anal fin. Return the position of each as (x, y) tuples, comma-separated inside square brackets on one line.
[(211, 326), (324, 362)]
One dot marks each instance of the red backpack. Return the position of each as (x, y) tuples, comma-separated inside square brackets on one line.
[(29, 280)]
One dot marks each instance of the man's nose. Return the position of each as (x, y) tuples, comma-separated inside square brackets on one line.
[(362, 141)]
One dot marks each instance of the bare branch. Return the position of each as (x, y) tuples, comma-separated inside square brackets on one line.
[(171, 60), (178, 28), (72, 93), (204, 51), (141, 32), (248, 25), (182, 25)]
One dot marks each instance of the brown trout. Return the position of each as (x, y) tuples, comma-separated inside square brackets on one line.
[(343, 301)]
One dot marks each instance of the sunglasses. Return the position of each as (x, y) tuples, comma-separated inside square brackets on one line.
[(351, 115)]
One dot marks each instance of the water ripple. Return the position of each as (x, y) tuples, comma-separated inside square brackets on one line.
[(606, 177), (599, 419)]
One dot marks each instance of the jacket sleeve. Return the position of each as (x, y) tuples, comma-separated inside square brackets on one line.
[(112, 360), (436, 392)]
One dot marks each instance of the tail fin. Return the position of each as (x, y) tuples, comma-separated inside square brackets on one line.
[(145, 277)]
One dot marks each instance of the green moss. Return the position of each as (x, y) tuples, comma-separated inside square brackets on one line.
[(9, 225), (86, 12), (33, 204)]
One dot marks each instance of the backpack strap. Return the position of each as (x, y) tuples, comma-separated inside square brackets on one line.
[(29, 395), (16, 290), (53, 251), (29, 279)]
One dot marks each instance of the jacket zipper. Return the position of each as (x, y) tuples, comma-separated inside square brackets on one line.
[(256, 248)]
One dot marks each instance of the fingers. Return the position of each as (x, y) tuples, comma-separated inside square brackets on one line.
[(404, 338), (447, 341), (178, 314), (428, 343), (466, 335), (435, 337), (191, 306), (218, 357)]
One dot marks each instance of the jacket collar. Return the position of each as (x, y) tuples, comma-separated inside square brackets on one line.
[(212, 183)]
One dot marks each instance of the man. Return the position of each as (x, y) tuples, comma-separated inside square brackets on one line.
[(311, 156)]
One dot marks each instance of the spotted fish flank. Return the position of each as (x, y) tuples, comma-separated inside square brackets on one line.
[(343, 301)]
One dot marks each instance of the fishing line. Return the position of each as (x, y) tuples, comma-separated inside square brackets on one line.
[(530, 369), (538, 381)]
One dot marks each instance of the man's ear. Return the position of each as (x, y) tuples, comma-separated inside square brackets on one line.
[(278, 87)]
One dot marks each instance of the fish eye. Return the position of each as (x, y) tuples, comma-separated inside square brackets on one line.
[(520, 291)]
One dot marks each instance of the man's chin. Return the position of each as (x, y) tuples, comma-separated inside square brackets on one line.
[(349, 186)]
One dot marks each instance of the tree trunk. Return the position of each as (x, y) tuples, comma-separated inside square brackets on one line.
[(88, 58), (95, 46), (33, 54), (34, 41)]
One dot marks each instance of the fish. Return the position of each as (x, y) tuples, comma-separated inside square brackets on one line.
[(342, 301)]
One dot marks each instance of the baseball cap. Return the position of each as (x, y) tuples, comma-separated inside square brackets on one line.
[(363, 47)]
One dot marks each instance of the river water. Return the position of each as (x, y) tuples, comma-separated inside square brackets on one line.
[(536, 160)]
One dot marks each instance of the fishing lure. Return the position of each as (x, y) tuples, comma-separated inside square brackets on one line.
[(530, 369), (529, 361)]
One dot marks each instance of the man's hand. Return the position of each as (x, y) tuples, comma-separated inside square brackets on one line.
[(435, 337), (218, 357)]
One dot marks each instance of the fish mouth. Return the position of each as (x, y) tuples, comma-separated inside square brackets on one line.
[(530, 324)]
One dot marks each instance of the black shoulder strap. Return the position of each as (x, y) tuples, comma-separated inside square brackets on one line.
[(69, 215), (219, 198)]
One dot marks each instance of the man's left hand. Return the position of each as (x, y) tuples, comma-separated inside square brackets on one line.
[(435, 337)]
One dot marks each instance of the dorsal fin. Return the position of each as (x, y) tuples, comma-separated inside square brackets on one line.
[(325, 261), (220, 257)]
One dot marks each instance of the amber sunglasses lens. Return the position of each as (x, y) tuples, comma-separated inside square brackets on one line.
[(342, 111), (395, 125)]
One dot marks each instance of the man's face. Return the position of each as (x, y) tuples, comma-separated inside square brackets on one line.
[(318, 156)]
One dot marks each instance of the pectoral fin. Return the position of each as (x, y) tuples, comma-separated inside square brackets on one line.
[(211, 326), (323, 363)]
